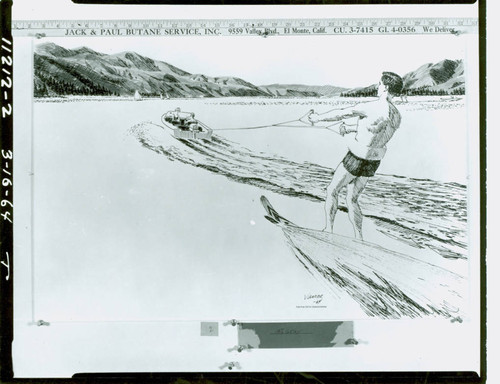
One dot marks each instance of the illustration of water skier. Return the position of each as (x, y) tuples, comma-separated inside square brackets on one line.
[(385, 283), (374, 124)]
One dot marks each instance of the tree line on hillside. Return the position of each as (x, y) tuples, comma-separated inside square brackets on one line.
[(421, 91), (360, 93), (50, 86), (47, 86)]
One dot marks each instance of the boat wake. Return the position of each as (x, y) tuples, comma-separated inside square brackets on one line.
[(421, 213)]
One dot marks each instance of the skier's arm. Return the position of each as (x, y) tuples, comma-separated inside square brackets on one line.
[(333, 116)]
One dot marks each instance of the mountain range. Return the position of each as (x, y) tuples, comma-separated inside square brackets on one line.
[(82, 71)]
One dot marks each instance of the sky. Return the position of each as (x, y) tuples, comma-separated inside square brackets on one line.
[(346, 61)]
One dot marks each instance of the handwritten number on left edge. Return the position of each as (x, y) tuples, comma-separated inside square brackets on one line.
[(6, 264)]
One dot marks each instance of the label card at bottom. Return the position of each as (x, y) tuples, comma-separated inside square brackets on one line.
[(296, 335)]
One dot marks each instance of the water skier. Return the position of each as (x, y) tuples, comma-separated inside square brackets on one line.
[(374, 124)]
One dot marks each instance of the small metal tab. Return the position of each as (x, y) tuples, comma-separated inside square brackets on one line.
[(232, 322), (240, 348), (231, 365)]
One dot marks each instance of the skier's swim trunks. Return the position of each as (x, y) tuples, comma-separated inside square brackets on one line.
[(358, 166)]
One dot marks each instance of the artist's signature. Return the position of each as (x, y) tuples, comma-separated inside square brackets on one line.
[(316, 299)]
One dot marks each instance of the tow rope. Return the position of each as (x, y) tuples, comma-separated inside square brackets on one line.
[(286, 124)]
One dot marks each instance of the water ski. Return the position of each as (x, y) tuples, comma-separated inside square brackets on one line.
[(385, 283)]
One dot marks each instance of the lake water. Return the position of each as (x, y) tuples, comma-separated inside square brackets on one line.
[(122, 233)]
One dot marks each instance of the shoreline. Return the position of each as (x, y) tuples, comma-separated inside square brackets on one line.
[(323, 100)]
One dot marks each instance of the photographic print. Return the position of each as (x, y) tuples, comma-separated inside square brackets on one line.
[(251, 196)]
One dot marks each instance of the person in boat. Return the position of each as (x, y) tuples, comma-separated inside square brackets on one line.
[(192, 123), (372, 124), (176, 116), (182, 120)]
